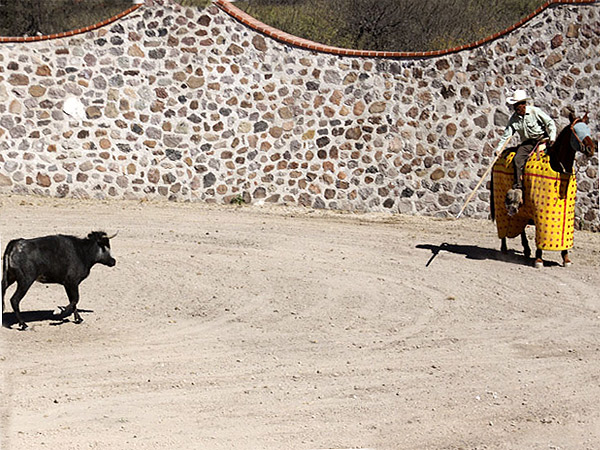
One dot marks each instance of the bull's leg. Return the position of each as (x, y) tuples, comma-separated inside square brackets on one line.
[(7, 280), (73, 294), (22, 288), (4, 288), (565, 257), (539, 262), (525, 243)]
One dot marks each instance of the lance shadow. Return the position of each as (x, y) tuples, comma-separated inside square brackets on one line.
[(475, 252)]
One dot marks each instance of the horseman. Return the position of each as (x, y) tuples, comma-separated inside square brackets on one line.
[(533, 126)]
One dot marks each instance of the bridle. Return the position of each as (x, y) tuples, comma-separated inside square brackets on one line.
[(579, 132)]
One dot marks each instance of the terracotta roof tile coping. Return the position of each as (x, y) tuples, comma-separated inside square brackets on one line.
[(69, 33), (287, 38)]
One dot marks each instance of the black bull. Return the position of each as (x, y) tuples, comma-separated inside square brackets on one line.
[(58, 259)]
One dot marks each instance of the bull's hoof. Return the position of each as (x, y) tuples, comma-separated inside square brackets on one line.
[(513, 201), (538, 264), (23, 327), (61, 312)]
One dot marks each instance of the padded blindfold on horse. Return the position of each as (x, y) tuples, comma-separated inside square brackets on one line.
[(581, 130)]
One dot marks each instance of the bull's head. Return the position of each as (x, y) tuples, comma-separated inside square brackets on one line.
[(102, 241)]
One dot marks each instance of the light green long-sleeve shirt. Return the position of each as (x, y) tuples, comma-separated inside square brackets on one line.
[(535, 124)]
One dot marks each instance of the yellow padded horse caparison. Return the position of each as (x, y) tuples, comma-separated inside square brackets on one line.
[(549, 200)]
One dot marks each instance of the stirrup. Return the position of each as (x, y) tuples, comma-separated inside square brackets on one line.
[(513, 201)]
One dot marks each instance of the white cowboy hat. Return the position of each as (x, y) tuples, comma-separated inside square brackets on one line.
[(519, 96)]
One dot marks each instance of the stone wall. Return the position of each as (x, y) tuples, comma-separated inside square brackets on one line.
[(193, 105)]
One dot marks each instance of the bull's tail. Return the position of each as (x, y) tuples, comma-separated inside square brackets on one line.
[(6, 277), (7, 252)]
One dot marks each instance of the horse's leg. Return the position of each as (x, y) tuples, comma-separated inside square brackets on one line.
[(503, 246), (539, 262), (525, 243), (565, 257)]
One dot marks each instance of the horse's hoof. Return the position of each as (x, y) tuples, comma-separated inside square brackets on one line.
[(567, 263), (538, 264)]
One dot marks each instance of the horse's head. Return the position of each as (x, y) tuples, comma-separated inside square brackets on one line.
[(575, 137), (583, 135)]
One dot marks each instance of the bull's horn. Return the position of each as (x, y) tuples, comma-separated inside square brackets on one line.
[(110, 237)]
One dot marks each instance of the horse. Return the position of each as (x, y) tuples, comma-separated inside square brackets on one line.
[(549, 192)]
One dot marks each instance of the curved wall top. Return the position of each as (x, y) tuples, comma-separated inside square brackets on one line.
[(310, 45), (287, 38), (194, 104), (72, 32)]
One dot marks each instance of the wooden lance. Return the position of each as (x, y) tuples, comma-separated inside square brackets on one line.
[(484, 177)]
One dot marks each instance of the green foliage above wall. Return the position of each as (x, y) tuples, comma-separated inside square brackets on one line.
[(43, 17), (390, 25), (198, 3)]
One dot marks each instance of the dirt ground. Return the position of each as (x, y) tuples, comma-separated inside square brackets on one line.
[(280, 328)]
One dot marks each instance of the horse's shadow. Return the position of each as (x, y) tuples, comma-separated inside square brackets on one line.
[(477, 253), (9, 319)]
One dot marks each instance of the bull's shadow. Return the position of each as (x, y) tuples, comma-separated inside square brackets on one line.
[(475, 252), (9, 319)]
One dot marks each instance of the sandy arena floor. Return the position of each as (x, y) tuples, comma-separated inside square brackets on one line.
[(279, 328)]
